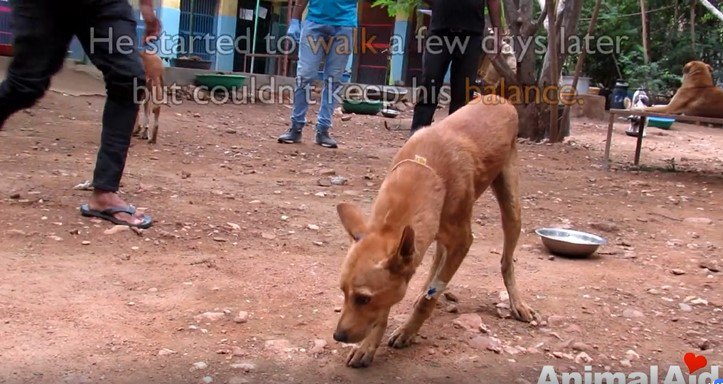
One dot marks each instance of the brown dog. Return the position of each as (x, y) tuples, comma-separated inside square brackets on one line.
[(151, 100), (488, 73), (698, 96), (428, 195)]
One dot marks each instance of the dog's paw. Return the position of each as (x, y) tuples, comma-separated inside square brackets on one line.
[(523, 312), (360, 357), (400, 339)]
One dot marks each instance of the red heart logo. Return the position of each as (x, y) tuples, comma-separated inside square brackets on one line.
[(694, 362)]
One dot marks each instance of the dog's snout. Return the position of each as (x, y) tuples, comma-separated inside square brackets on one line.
[(341, 336)]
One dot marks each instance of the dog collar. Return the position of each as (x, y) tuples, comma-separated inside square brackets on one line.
[(421, 160)]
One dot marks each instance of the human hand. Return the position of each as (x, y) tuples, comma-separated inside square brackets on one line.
[(153, 25)]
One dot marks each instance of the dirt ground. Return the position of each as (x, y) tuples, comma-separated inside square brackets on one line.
[(243, 224)]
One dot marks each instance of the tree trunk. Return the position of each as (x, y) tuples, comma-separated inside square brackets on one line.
[(552, 46), (534, 113), (519, 13), (692, 24), (644, 17)]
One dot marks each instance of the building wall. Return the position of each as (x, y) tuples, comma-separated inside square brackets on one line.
[(169, 13), (225, 34)]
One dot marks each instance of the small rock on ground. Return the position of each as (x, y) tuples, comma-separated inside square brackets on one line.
[(242, 317), (209, 316), (470, 322)]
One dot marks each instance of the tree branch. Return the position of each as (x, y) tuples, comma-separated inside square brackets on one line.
[(713, 9), (532, 28)]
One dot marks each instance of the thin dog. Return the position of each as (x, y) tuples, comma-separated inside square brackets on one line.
[(428, 196), (152, 97), (697, 96)]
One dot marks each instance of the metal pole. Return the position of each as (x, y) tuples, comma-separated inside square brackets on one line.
[(190, 31), (253, 43)]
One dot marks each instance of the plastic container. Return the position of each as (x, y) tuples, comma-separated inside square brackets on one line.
[(617, 97), (362, 107), (228, 82), (583, 83)]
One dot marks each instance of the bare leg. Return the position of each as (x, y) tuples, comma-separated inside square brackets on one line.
[(363, 355), (505, 187)]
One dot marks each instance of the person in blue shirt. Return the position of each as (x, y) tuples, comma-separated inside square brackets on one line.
[(325, 35)]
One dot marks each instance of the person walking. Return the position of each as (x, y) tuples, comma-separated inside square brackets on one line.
[(453, 21), (326, 35), (43, 30)]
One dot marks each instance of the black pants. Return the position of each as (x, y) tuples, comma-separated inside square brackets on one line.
[(106, 29), (436, 60)]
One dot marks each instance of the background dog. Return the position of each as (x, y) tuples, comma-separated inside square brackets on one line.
[(428, 196), (698, 96), (487, 72), (153, 97)]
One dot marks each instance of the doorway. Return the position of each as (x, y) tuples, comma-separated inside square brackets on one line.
[(197, 26)]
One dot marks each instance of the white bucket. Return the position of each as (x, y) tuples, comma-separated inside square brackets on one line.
[(583, 83)]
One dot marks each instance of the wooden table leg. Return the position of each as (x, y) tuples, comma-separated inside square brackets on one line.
[(608, 141), (639, 145)]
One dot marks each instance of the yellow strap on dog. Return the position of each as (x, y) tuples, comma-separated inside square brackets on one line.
[(420, 159)]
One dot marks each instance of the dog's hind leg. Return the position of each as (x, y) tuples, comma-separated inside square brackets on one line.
[(154, 130), (146, 119), (506, 189), (453, 243)]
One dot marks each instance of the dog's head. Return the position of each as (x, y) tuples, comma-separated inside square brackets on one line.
[(375, 273), (697, 73)]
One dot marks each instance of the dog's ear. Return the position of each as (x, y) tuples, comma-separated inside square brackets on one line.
[(404, 255), (352, 219), (687, 68), (710, 69), (406, 244)]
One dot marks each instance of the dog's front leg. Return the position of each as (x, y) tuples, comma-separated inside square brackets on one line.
[(363, 355), (423, 307)]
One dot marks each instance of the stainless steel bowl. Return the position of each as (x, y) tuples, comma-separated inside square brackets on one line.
[(566, 242)]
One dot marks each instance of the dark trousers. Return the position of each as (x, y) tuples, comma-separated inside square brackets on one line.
[(106, 29), (436, 60)]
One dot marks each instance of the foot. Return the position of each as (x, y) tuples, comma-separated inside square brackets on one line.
[(361, 356), (324, 139), (292, 136), (401, 338), (102, 200), (522, 311)]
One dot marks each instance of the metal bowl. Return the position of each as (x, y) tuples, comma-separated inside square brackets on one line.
[(566, 242), (391, 113)]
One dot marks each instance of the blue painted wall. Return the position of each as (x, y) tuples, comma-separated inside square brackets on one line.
[(225, 35), (400, 33)]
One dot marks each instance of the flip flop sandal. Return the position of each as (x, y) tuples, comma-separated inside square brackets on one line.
[(107, 214)]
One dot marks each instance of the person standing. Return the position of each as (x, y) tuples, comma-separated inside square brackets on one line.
[(43, 30), (453, 20), (326, 35)]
